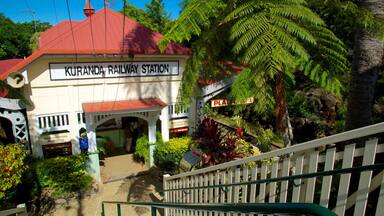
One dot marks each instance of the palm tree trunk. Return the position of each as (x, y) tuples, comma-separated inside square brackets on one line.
[(282, 124), (367, 62)]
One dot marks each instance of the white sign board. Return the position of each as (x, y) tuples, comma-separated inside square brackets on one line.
[(225, 102), (92, 70)]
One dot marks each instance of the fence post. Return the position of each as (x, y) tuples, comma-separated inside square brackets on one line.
[(153, 211), (166, 193), (102, 209), (118, 210)]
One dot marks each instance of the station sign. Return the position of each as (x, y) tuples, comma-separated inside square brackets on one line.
[(92, 70), (226, 102)]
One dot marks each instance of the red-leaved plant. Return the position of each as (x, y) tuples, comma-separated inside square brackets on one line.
[(217, 148)]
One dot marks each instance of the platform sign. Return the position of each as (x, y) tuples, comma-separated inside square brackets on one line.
[(226, 102), (93, 70)]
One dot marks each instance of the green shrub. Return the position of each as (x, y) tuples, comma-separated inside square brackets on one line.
[(63, 174), (168, 155), (101, 143), (142, 146), (264, 139), (12, 167)]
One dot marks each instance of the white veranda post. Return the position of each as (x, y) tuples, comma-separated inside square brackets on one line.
[(151, 138), (165, 124)]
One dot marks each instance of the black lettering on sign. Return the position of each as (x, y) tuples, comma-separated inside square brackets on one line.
[(102, 71), (110, 69), (68, 71), (115, 70), (85, 70), (151, 70), (135, 68), (126, 68), (121, 69), (91, 69), (166, 66), (161, 68)]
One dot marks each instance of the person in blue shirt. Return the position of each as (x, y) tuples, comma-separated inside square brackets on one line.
[(83, 141)]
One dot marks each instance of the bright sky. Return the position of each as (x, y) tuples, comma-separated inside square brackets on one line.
[(54, 11)]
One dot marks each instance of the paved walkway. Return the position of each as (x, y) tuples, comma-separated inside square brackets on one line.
[(138, 186)]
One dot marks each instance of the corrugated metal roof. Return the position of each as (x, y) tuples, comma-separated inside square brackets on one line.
[(55, 32), (6, 64), (126, 105), (101, 33)]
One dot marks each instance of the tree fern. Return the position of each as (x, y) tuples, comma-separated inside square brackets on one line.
[(273, 37), (274, 34), (252, 84), (196, 15)]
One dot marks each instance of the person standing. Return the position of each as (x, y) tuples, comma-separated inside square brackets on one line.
[(83, 141), (128, 145)]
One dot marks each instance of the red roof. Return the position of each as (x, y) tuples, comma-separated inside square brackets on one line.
[(92, 36), (110, 106), (5, 65), (55, 32)]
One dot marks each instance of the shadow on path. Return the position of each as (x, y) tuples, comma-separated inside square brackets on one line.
[(141, 187)]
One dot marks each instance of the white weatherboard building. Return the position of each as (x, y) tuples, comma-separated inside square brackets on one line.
[(98, 75)]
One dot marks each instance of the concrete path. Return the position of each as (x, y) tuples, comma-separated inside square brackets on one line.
[(136, 185)]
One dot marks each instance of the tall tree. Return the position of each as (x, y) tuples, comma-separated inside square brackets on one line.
[(15, 37), (154, 17), (156, 12), (360, 25), (275, 38), (368, 61), (136, 14)]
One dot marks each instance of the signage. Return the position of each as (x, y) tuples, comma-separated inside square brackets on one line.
[(54, 150), (225, 102), (92, 70), (190, 159), (179, 130)]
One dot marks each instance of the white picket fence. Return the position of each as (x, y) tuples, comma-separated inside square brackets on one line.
[(345, 194)]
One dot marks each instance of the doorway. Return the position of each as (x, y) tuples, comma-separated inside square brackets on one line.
[(118, 137), (6, 131)]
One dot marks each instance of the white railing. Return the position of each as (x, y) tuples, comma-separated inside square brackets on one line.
[(178, 111), (53, 122), (345, 194)]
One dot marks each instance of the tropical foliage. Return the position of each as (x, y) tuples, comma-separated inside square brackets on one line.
[(167, 155), (343, 16), (154, 17), (141, 150), (360, 24), (12, 167), (63, 174), (273, 39), (15, 37), (142, 147)]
